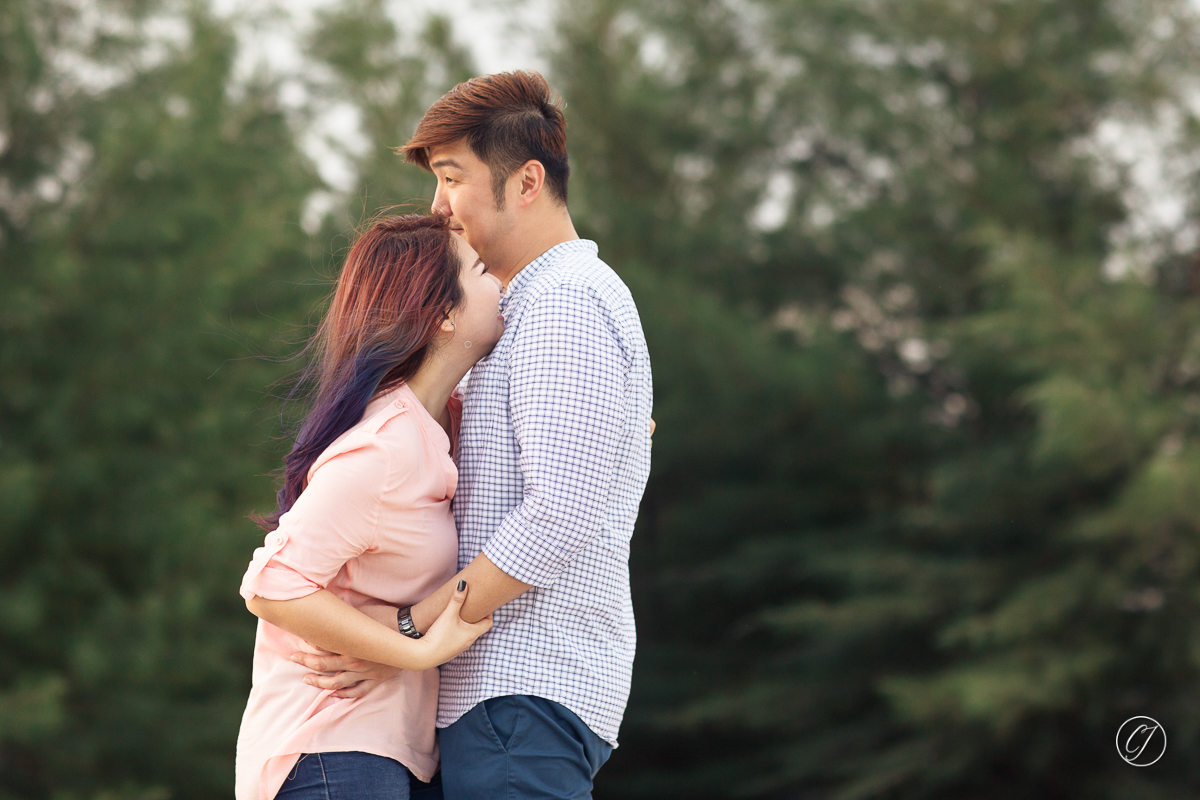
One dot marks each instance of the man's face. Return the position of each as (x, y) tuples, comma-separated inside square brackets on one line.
[(464, 193)]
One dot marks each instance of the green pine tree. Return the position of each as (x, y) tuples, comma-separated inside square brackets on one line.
[(950, 558), (150, 245)]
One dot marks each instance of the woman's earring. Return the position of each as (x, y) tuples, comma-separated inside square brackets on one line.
[(467, 343)]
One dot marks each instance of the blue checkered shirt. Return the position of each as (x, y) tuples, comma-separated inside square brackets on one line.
[(554, 452)]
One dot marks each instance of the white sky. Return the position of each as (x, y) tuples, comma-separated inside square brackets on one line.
[(500, 34), (505, 34)]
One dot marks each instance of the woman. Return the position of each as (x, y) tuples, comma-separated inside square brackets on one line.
[(364, 519)]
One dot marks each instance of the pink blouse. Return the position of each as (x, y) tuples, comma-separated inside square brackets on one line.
[(373, 524)]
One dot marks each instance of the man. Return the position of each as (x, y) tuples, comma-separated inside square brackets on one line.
[(554, 453)]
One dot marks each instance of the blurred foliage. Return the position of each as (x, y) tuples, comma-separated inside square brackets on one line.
[(147, 216), (936, 543), (923, 521), (389, 76)]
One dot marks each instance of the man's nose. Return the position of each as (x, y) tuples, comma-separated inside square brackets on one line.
[(440, 204)]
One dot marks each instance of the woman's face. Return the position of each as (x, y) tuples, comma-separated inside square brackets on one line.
[(477, 319)]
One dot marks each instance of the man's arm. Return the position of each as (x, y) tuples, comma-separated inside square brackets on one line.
[(490, 589), (568, 383)]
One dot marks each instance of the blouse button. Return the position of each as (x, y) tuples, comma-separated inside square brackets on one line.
[(277, 538), (400, 404)]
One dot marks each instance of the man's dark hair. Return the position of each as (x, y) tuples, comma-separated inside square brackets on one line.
[(506, 119)]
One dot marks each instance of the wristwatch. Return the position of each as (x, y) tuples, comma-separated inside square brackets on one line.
[(405, 623)]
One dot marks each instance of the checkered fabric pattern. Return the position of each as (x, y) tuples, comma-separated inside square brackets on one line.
[(554, 452)]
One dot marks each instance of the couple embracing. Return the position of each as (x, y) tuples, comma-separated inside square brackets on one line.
[(485, 531)]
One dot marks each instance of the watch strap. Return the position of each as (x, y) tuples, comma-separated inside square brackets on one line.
[(404, 622)]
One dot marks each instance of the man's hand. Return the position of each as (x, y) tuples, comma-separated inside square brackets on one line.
[(351, 677)]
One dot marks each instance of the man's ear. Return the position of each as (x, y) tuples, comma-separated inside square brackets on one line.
[(531, 178)]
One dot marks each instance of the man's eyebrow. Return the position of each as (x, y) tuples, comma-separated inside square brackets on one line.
[(445, 162)]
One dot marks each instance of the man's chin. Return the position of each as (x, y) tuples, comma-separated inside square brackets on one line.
[(467, 237)]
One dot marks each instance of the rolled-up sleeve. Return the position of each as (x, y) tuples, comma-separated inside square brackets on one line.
[(567, 400), (334, 520)]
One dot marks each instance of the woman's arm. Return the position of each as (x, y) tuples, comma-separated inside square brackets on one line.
[(325, 621)]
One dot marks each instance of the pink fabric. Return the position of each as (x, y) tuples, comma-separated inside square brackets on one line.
[(373, 524)]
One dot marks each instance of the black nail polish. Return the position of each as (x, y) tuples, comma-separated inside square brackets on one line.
[(462, 584)]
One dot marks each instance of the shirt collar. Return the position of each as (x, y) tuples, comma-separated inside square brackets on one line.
[(522, 278)]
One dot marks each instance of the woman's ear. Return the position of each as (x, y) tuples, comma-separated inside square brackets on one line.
[(448, 325)]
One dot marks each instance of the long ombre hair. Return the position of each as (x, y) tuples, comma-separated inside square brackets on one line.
[(399, 281)]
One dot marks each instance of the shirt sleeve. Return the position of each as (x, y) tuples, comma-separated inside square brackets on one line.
[(567, 385), (333, 521)]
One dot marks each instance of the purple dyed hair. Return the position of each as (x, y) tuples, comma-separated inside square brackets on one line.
[(399, 281)]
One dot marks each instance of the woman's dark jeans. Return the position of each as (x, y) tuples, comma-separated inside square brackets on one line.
[(355, 776)]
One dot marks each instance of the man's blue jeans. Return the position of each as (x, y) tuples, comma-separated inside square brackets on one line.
[(354, 776), (519, 747)]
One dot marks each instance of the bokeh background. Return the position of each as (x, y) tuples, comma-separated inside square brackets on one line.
[(921, 283)]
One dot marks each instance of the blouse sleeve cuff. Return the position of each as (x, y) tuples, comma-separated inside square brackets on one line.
[(271, 580)]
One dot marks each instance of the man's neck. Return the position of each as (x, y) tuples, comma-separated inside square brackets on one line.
[(532, 240)]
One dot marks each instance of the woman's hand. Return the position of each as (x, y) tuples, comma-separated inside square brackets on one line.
[(450, 634), (347, 676)]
